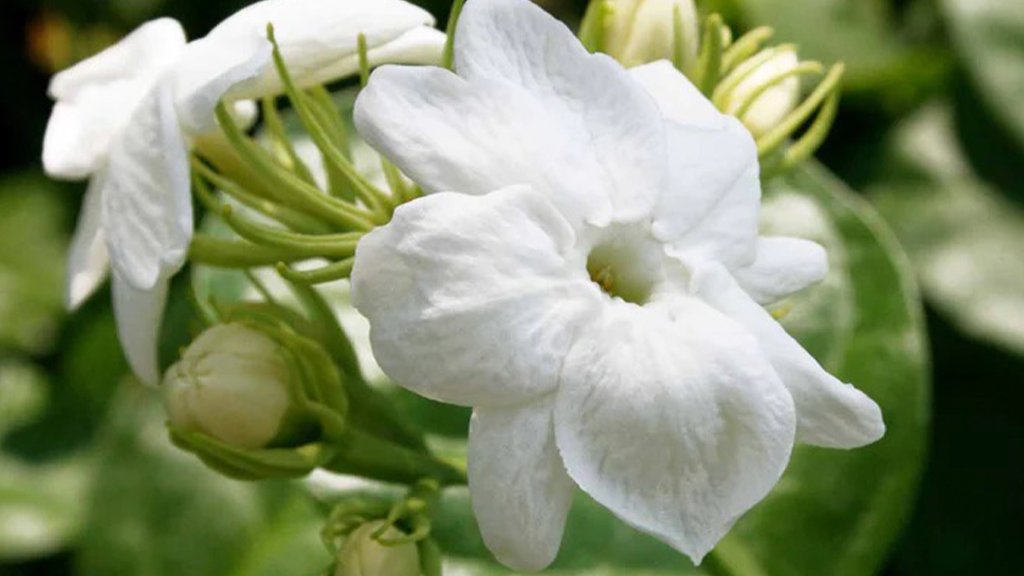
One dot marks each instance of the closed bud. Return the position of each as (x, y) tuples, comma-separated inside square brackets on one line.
[(363, 555), (232, 383), (255, 400), (768, 92), (640, 31)]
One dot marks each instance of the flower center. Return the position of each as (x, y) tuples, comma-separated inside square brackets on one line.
[(625, 262)]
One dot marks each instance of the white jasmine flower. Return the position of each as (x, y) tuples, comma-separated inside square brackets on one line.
[(144, 99), (584, 275)]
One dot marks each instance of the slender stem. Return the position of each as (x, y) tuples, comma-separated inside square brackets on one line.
[(206, 249), (361, 453)]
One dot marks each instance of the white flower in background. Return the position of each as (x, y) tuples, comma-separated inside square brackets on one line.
[(642, 31), (773, 104), (587, 275), (94, 102), (145, 98)]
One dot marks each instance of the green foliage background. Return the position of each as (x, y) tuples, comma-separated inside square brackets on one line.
[(931, 137)]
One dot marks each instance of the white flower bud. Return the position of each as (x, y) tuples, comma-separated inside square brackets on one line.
[(363, 556), (768, 109), (642, 31), (231, 384)]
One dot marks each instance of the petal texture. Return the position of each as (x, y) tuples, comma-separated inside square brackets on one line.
[(710, 211), (672, 418), (470, 299), (518, 42), (448, 134), (96, 97), (783, 266), (677, 98), (138, 314), (314, 35), (521, 111), (147, 205), (521, 494), (829, 412), (88, 261)]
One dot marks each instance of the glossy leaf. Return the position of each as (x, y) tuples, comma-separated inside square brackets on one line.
[(960, 232)]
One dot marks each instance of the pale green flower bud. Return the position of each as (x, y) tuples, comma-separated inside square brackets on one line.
[(640, 31), (761, 108), (362, 555), (255, 399), (232, 384)]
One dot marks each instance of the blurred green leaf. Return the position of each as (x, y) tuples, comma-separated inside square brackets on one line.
[(962, 235), (834, 512), (989, 38), (40, 505), (155, 510), (32, 252), (861, 33)]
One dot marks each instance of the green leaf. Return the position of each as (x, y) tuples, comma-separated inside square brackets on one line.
[(32, 253), (861, 33), (40, 504), (962, 235), (834, 512), (155, 510), (989, 38), (839, 512)]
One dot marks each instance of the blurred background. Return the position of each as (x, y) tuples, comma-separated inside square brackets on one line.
[(930, 131)]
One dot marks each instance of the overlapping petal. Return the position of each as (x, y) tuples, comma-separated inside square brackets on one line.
[(520, 492), (316, 35), (449, 134), (147, 204), (88, 260), (518, 42), (96, 97), (783, 266), (829, 412), (470, 298), (672, 418), (138, 314)]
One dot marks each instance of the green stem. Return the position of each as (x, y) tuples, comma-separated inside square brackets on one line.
[(212, 251), (365, 455)]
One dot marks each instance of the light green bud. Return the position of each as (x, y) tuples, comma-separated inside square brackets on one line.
[(641, 31), (762, 112), (232, 383), (362, 555)]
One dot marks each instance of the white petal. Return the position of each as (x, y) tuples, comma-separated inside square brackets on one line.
[(516, 41), (829, 412), (88, 262), (138, 314), (147, 203), (470, 298), (711, 209), (210, 69), (420, 45), (520, 492), (315, 34), (678, 99), (672, 419), (146, 52), (783, 266), (448, 134), (96, 97)]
